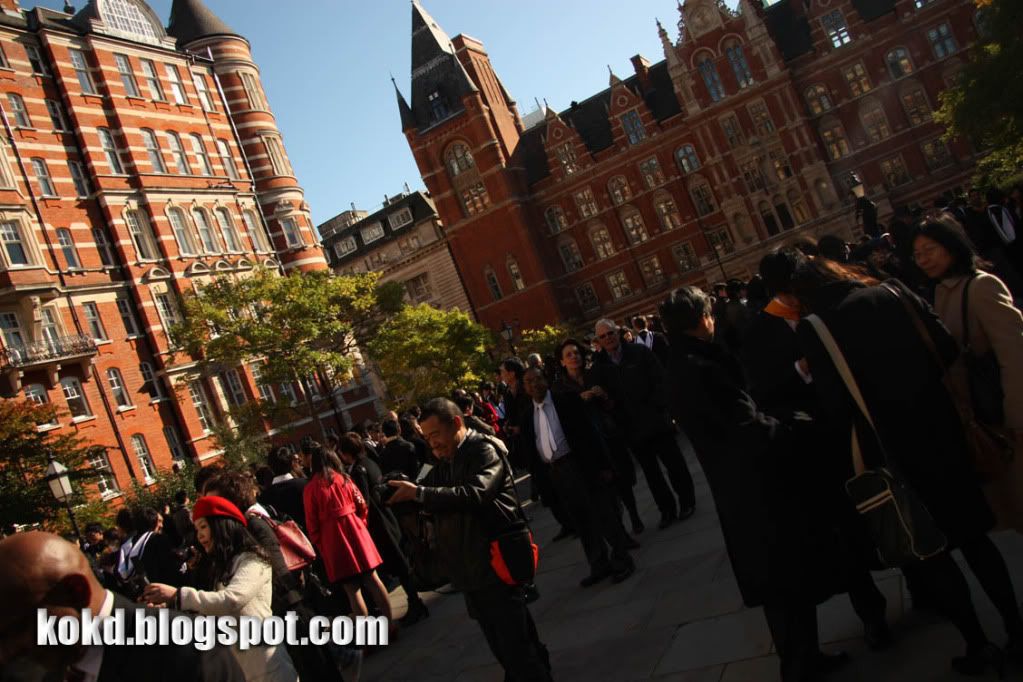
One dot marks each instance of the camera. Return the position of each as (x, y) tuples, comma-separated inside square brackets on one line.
[(384, 491)]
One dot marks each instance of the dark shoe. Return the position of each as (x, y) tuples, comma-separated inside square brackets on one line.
[(563, 533), (829, 663), (976, 663), (622, 575), (594, 578), (686, 513), (417, 612), (637, 524), (631, 542), (667, 519), (878, 635), (532, 594)]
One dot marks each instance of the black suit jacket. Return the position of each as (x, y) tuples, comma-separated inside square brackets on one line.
[(170, 663), (399, 455), (769, 354), (580, 430), (159, 561), (286, 498)]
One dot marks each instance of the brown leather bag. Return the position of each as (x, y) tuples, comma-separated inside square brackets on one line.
[(990, 447)]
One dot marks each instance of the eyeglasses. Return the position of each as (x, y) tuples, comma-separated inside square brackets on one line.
[(607, 335)]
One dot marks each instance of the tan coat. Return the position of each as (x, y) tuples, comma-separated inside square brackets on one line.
[(995, 325)]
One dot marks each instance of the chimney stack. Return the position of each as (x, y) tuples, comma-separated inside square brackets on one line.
[(642, 67)]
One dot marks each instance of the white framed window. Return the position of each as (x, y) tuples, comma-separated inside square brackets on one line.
[(275, 152), (618, 189), (570, 256), (475, 198), (817, 99), (371, 233), (201, 402), (601, 240), (836, 28), (167, 309), (145, 460), (515, 274), (399, 218), (35, 60), (93, 321), (587, 297), (942, 40), (151, 383), (36, 393), (667, 213), (206, 236), (565, 154), (178, 154), (703, 199), (18, 110), (127, 16), (79, 179), (11, 328), (857, 79), (894, 172), (174, 443), (292, 235), (177, 87), (492, 284), (687, 159), (202, 87), (153, 151), (618, 283), (199, 149), (458, 159), (586, 203), (14, 245), (42, 172), (899, 62), (227, 160), (142, 236), (231, 239), (82, 71), (418, 288), (152, 79), (51, 330), (110, 150), (651, 172), (651, 270), (106, 483), (67, 247), (117, 389), (835, 141), (127, 313), (106, 252), (57, 115), (4, 63), (287, 392), (266, 393), (233, 388), (685, 257), (635, 229), (409, 243), (131, 86), (343, 247), (77, 403), (253, 92), (255, 230), (555, 217), (721, 240)]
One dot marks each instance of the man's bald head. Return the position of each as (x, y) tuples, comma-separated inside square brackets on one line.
[(42, 570)]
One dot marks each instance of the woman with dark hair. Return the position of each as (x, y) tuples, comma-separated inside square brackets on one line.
[(244, 587), (336, 513), (834, 248), (746, 456), (574, 378), (995, 325), (381, 522), (917, 429), (153, 555)]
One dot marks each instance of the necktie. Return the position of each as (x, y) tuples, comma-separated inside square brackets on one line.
[(546, 435)]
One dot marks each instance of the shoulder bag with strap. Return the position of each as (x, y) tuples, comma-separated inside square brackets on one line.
[(990, 449), (513, 554), (296, 549), (902, 529)]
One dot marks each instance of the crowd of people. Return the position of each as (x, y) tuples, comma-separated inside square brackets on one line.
[(898, 359)]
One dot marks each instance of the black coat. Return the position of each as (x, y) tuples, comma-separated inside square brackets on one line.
[(747, 458), (660, 345), (382, 524), (637, 390), (286, 592), (399, 456), (901, 383), (160, 562), (584, 440), (769, 353), (286, 497)]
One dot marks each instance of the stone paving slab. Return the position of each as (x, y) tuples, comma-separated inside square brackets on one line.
[(679, 618)]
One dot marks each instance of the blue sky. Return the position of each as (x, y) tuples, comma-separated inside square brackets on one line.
[(326, 65)]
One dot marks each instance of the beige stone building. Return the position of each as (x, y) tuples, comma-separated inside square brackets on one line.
[(405, 242)]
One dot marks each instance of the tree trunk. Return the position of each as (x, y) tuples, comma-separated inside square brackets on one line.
[(313, 412)]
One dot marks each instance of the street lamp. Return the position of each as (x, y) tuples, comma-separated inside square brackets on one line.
[(60, 485), (508, 334)]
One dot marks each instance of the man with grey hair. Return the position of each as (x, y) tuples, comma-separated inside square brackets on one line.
[(533, 360), (635, 380)]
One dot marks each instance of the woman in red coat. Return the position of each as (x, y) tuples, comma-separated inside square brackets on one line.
[(335, 515)]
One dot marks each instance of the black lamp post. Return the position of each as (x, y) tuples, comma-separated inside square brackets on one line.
[(58, 478), (508, 334)]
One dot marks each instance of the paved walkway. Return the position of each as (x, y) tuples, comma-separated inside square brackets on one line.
[(678, 619)]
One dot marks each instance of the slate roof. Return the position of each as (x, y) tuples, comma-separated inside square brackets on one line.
[(418, 203), (872, 9), (790, 30), (435, 68), (192, 19)]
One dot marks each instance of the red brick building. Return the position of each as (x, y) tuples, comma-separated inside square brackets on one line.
[(752, 130), (136, 162)]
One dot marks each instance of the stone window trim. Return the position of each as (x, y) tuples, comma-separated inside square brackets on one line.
[(15, 229)]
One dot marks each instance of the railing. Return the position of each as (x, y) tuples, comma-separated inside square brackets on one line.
[(40, 352)]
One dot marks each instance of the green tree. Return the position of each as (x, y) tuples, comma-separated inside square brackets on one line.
[(298, 326), (423, 353), (24, 457), (544, 341), (986, 105)]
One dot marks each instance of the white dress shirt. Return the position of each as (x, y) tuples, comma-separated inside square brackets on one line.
[(551, 442), (92, 660)]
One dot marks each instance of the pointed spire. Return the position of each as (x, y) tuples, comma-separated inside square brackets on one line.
[(407, 120), (429, 40), (613, 80), (436, 70), (191, 20), (665, 39)]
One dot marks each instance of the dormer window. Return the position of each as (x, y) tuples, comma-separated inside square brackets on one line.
[(566, 157), (128, 19), (438, 108)]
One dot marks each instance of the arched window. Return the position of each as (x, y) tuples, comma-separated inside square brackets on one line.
[(145, 460), (601, 240), (516, 275), (231, 238), (899, 63), (667, 212), (458, 159), (570, 256), (206, 236), (817, 99), (737, 58), (711, 79), (687, 159), (182, 232), (914, 101), (618, 188), (555, 217), (492, 284), (767, 215), (799, 208), (117, 388), (635, 229), (875, 123)]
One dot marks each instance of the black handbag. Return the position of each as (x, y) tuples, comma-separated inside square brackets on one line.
[(984, 373), (902, 529)]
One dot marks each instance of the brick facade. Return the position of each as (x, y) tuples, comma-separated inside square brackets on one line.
[(688, 170)]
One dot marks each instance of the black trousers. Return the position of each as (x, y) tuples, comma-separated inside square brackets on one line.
[(664, 448), (540, 475), (511, 633), (941, 576), (590, 503), (793, 626)]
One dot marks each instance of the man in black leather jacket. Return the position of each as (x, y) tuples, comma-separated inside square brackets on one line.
[(470, 494)]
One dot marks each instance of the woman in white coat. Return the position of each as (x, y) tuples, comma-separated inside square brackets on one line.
[(243, 585)]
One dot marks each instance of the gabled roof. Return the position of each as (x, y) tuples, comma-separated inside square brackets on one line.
[(435, 69), (191, 20)]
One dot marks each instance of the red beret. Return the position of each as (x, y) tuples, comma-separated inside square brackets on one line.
[(214, 505)]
